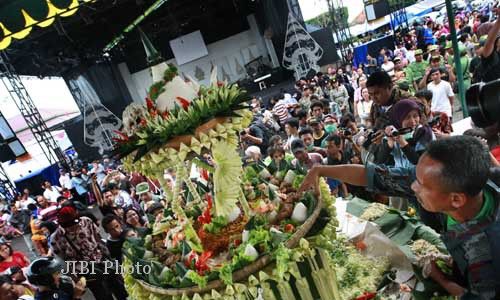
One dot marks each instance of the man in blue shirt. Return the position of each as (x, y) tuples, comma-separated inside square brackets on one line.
[(451, 180)]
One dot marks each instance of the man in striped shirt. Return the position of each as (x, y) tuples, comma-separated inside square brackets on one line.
[(280, 109)]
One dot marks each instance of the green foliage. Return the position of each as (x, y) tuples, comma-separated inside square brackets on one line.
[(213, 102), (216, 225)]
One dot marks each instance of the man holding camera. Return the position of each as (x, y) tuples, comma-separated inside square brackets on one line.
[(452, 181), (489, 66)]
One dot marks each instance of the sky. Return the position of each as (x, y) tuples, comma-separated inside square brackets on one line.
[(313, 8), (49, 93)]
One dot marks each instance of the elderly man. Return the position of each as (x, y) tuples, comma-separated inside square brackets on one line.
[(78, 239), (451, 180)]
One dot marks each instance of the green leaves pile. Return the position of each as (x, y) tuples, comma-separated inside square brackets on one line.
[(214, 101)]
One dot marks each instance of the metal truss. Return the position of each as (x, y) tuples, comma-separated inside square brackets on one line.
[(7, 188), (30, 113), (294, 7), (340, 26)]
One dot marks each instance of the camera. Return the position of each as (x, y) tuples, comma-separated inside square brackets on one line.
[(369, 138), (243, 132), (435, 121), (397, 132), (483, 103)]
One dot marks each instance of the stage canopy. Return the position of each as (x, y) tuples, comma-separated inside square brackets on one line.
[(17, 18)]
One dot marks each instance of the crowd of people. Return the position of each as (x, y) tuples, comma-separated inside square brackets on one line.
[(387, 112)]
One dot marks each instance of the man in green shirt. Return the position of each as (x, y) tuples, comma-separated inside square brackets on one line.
[(452, 184), (416, 70)]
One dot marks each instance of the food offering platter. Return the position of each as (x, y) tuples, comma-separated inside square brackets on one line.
[(237, 232)]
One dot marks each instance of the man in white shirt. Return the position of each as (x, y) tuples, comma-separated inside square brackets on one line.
[(442, 93), (65, 180), (51, 193)]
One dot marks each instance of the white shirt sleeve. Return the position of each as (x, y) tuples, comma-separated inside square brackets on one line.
[(449, 90)]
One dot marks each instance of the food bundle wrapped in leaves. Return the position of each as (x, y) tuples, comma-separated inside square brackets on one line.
[(232, 234)]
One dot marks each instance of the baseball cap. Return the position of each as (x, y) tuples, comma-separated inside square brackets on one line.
[(141, 188), (448, 45), (418, 52), (314, 121), (435, 57), (433, 48)]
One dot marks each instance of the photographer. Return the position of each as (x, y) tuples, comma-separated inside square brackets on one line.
[(256, 135), (402, 149), (384, 95), (489, 66), (45, 273), (451, 182)]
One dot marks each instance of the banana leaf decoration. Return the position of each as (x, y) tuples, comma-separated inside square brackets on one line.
[(228, 170)]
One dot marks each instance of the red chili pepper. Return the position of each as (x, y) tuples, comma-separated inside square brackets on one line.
[(237, 242), (184, 103), (367, 296), (201, 264), (191, 257), (289, 228), (204, 174), (143, 122), (149, 103), (122, 137), (205, 217), (165, 114)]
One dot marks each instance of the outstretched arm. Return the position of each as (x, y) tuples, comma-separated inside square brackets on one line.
[(351, 174), (380, 179), (489, 46)]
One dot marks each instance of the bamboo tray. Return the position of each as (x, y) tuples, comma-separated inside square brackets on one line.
[(243, 273)]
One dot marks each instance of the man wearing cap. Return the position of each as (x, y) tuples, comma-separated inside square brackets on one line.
[(319, 134), (304, 161), (145, 196), (464, 63), (77, 239), (416, 70), (447, 73), (449, 53), (434, 51)]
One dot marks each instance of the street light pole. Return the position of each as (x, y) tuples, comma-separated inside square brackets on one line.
[(456, 58)]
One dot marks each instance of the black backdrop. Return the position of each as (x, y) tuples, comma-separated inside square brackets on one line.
[(109, 85), (324, 38)]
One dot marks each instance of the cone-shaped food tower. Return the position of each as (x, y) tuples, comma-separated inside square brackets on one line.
[(229, 233)]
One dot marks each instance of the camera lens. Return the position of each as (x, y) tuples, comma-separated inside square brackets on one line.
[(483, 103)]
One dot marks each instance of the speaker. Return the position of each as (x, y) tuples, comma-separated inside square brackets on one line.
[(6, 132), (74, 130), (10, 146), (6, 153)]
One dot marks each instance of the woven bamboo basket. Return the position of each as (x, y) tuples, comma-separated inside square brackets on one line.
[(245, 272)]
